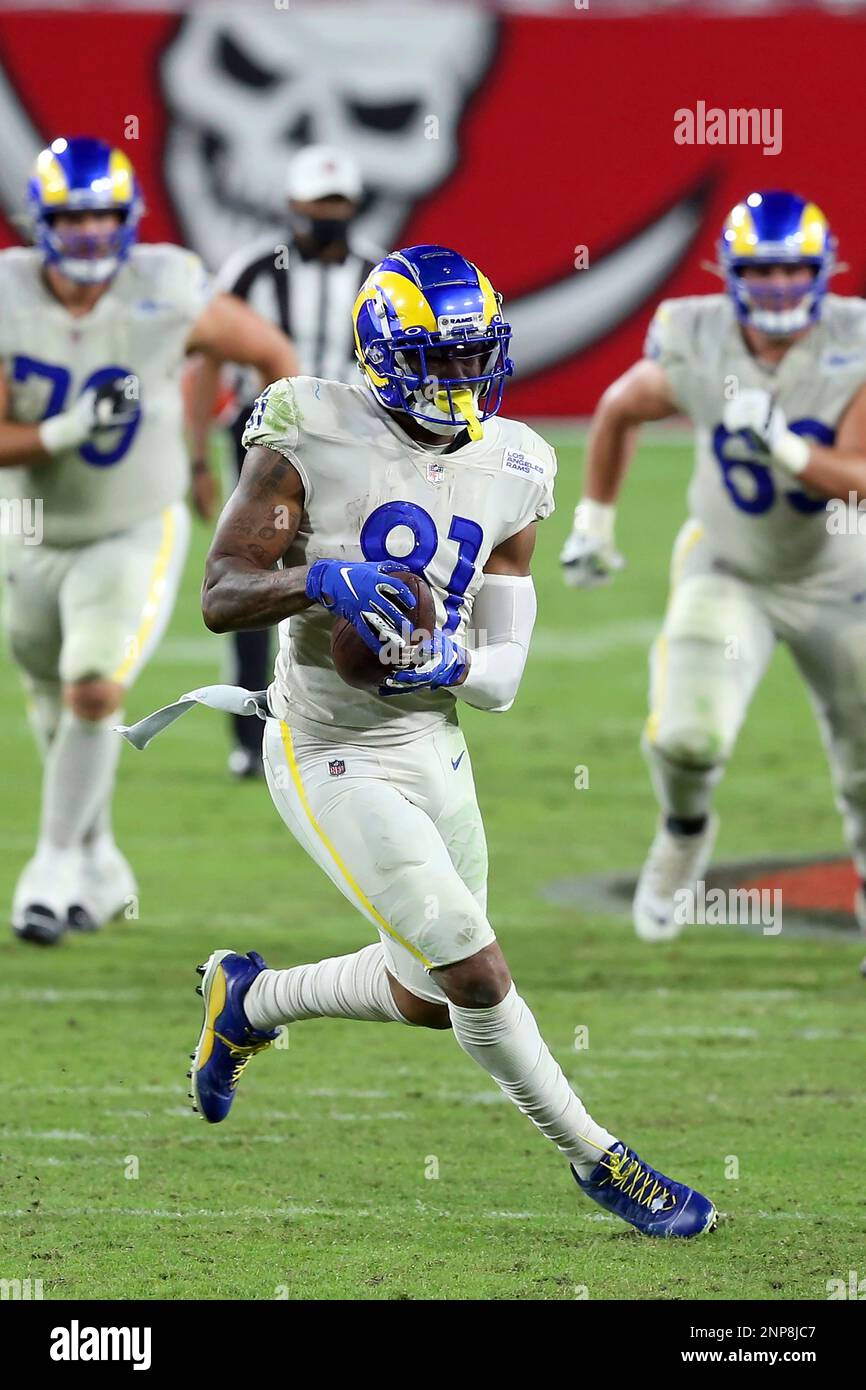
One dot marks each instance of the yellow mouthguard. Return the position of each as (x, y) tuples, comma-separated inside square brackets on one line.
[(464, 403)]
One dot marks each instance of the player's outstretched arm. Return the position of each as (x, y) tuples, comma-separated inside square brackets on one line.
[(200, 400), (228, 330), (589, 556), (641, 394), (259, 522)]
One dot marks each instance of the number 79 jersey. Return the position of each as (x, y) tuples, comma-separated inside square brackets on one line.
[(759, 521), (136, 333), (372, 493)]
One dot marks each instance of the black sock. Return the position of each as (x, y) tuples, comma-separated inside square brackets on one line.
[(685, 825)]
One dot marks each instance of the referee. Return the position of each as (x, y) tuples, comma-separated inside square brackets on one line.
[(308, 288)]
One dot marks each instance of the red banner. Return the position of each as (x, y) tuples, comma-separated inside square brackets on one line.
[(543, 147)]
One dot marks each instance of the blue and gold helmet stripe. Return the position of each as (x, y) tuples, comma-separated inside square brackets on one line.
[(50, 176), (767, 226), (404, 300), (777, 227), (392, 296), (81, 174), (489, 297), (425, 298), (740, 233), (122, 177), (814, 231)]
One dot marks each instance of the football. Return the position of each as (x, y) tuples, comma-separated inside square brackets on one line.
[(356, 663)]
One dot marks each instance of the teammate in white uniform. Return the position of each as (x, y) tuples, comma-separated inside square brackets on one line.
[(772, 375), (93, 332), (341, 485)]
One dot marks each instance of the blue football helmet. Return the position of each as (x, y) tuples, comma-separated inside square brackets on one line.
[(777, 228), (431, 341), (81, 175)]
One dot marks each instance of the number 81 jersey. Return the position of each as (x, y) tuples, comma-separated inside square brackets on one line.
[(758, 520), (372, 493), (136, 332)]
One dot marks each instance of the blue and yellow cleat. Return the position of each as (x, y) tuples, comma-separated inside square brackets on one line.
[(227, 1041), (654, 1204)]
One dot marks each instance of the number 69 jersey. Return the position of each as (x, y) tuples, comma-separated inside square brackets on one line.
[(372, 493), (137, 330), (759, 521)]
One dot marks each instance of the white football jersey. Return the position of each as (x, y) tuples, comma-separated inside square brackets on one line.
[(138, 328), (372, 493), (759, 521)]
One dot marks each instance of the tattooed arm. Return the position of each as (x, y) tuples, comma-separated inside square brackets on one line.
[(241, 588)]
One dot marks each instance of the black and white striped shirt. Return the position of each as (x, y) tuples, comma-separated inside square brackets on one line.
[(309, 300)]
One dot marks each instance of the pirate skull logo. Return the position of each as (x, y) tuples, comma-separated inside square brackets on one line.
[(245, 91)]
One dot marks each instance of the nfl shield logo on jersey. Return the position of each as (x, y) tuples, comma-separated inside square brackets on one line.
[(435, 471), (336, 767)]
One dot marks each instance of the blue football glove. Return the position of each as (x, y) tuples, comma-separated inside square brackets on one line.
[(438, 661), (360, 592)]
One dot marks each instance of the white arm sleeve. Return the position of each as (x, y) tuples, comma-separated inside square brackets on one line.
[(502, 623)]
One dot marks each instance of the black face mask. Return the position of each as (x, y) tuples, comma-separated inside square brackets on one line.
[(321, 232)]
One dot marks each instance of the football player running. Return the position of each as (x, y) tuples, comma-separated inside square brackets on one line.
[(773, 376), (93, 333), (413, 468)]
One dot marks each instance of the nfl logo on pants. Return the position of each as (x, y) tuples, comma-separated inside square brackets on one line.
[(336, 767)]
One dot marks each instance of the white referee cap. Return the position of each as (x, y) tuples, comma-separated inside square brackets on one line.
[(320, 171)]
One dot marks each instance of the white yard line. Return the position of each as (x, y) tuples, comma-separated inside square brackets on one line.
[(694, 1032), (9, 995), (164, 1213), (16, 1088), (197, 1135), (342, 1213), (592, 644), (375, 1116)]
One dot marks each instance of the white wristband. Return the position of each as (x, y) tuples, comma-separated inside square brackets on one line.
[(596, 518), (62, 432), (792, 452)]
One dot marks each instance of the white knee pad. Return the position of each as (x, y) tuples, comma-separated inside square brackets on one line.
[(693, 746)]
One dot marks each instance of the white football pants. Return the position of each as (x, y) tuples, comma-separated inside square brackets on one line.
[(718, 636), (398, 830)]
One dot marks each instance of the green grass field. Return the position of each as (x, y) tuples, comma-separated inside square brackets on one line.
[(719, 1054)]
